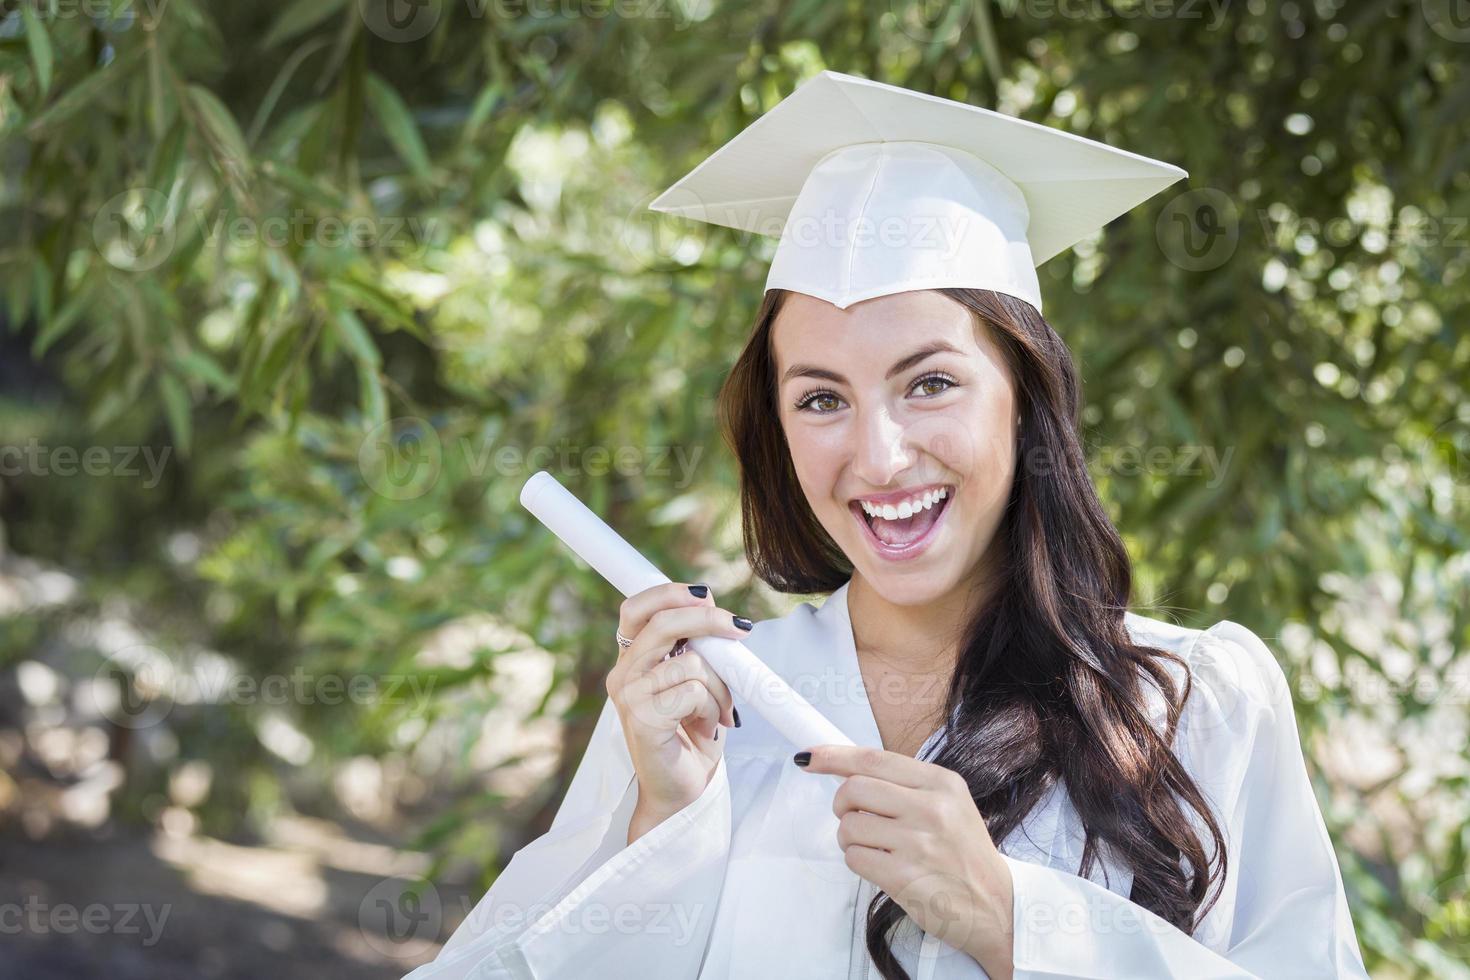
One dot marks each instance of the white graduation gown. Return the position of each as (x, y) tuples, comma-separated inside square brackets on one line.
[(748, 881)]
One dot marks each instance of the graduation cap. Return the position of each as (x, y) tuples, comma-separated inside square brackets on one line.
[(875, 189)]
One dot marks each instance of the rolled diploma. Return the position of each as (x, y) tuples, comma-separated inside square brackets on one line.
[(630, 573)]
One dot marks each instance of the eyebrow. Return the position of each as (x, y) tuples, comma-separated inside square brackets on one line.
[(899, 366)]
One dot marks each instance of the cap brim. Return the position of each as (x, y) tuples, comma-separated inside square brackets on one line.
[(1073, 185)]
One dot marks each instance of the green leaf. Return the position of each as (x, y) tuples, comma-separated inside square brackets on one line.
[(39, 41), (168, 154), (290, 130), (301, 16), (221, 132), (303, 186), (374, 400), (374, 300), (323, 552), (41, 276), (265, 380), (485, 104), (278, 87), (178, 408), (200, 365), (398, 124), (82, 94), (65, 319), (17, 291), (355, 337)]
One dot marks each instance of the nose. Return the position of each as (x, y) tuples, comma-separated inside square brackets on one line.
[(882, 450)]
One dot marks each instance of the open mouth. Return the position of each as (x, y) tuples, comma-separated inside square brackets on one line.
[(906, 537)]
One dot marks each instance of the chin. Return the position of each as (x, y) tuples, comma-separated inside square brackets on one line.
[(915, 586)]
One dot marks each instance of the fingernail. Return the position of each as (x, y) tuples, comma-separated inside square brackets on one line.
[(802, 758), (736, 712), (743, 624), (717, 733), (699, 590)]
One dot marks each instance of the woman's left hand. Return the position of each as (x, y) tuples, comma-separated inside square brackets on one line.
[(912, 829)]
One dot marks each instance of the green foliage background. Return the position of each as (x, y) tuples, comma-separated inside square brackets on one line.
[(177, 269)]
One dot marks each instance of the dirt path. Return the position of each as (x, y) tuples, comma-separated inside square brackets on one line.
[(316, 905)]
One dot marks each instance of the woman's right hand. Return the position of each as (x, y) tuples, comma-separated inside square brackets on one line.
[(671, 707)]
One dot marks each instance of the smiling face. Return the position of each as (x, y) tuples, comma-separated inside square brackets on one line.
[(895, 403)]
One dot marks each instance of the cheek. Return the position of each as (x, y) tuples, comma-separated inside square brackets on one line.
[(970, 440), (995, 453), (815, 455), (997, 447), (816, 446)]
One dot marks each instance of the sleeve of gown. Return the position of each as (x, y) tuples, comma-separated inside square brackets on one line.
[(580, 901), (1283, 912)]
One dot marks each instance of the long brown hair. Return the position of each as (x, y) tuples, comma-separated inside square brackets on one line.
[(1048, 686)]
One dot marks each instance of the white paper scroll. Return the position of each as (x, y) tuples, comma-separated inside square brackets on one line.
[(748, 678)]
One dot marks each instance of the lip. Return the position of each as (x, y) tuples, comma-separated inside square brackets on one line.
[(909, 551)]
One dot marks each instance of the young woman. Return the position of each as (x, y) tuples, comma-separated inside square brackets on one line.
[(1044, 783)]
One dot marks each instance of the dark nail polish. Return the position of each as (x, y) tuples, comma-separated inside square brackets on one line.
[(717, 733), (699, 590), (741, 623), (802, 758), (736, 712)]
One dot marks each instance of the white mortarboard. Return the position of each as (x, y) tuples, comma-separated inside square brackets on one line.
[(875, 189)]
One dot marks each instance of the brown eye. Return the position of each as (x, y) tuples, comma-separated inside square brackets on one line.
[(935, 379), (814, 396)]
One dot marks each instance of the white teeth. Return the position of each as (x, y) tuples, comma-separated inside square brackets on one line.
[(906, 509)]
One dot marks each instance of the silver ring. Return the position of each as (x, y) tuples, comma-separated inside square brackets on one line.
[(623, 641)]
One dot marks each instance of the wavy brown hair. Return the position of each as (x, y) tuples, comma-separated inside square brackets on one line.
[(1048, 686)]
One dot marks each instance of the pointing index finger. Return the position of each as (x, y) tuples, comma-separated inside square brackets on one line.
[(867, 760)]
